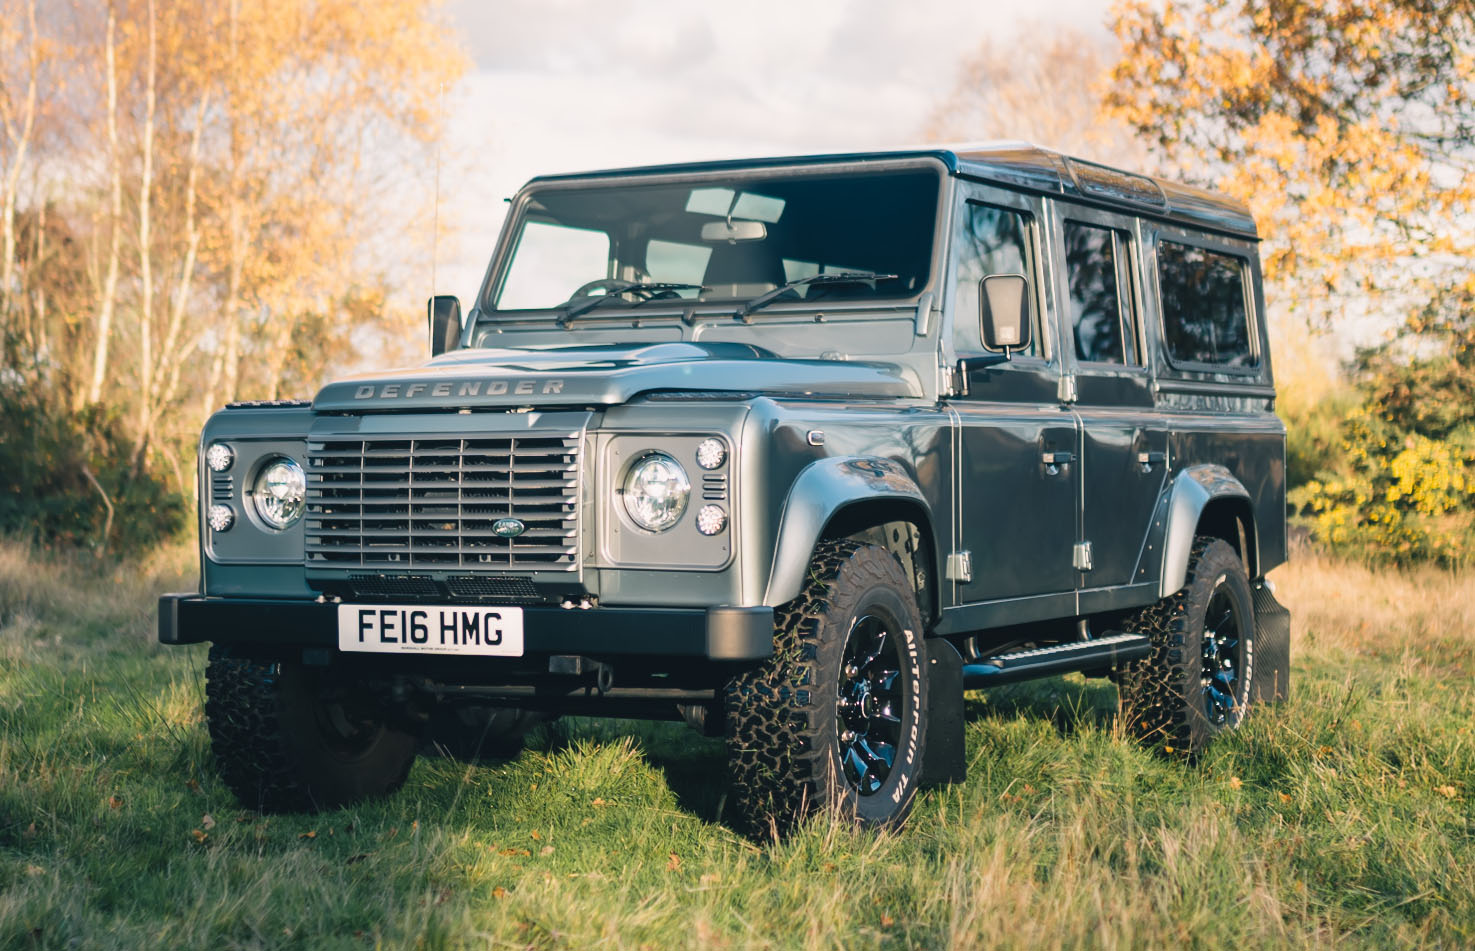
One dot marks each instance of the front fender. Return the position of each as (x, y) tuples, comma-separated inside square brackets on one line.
[(1191, 492), (822, 489)]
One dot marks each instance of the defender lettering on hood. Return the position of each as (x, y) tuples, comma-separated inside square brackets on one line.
[(459, 388)]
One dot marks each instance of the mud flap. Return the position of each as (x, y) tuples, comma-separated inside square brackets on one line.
[(1271, 679), (944, 759)]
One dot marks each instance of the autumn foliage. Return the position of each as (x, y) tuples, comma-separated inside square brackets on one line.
[(204, 201), (1347, 128)]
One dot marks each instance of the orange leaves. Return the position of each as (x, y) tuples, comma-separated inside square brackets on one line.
[(1322, 120)]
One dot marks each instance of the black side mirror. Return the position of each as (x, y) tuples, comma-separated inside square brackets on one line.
[(445, 323), (1004, 312)]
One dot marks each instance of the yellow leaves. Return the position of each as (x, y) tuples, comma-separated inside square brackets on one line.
[(1236, 783), (1448, 792)]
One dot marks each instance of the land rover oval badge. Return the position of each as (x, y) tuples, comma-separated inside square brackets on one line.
[(508, 527)]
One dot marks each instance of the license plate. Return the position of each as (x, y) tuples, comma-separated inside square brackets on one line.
[(424, 629)]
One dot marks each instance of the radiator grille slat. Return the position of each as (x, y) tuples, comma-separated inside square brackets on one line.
[(405, 503)]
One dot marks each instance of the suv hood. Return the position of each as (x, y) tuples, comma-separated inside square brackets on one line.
[(606, 375)]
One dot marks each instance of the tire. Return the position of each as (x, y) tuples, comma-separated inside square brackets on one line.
[(1196, 683), (288, 738), (834, 720), (480, 734)]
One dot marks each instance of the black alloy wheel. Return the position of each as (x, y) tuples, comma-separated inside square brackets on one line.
[(868, 704), (834, 720), (1196, 682)]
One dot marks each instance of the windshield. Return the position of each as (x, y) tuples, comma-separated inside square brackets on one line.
[(721, 240)]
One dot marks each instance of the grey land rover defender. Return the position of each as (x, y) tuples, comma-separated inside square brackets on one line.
[(797, 450)]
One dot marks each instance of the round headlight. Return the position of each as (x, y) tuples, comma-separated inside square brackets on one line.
[(280, 493), (656, 490)]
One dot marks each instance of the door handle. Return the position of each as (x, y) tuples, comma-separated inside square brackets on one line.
[(1054, 461), (1148, 460)]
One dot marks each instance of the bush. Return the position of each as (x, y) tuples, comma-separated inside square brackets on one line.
[(46, 494), (1401, 488)]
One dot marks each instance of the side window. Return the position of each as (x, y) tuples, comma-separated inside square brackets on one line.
[(1204, 316), (1100, 294), (990, 240)]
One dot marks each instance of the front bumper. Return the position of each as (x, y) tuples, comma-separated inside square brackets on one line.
[(720, 634)]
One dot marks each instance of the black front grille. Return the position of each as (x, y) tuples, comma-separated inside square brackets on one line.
[(400, 503)]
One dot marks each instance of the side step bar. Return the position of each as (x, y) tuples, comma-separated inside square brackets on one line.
[(1094, 654)]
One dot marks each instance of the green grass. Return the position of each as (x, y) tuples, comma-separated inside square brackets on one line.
[(1342, 817)]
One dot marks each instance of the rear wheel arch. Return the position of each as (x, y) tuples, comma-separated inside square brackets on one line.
[(1232, 519), (1206, 500)]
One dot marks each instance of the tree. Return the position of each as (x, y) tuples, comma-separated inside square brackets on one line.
[(204, 201), (1048, 92), (1346, 126)]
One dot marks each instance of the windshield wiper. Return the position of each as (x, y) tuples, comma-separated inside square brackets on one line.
[(648, 289), (839, 277)]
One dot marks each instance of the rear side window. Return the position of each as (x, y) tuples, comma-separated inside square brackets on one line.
[(1204, 315), (1100, 308)]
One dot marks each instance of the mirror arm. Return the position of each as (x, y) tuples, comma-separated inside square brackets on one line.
[(968, 364)]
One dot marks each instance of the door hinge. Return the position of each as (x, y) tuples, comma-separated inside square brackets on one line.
[(1065, 391), (1080, 556), (960, 566)]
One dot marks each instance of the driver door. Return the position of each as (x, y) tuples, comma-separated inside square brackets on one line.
[(1017, 477)]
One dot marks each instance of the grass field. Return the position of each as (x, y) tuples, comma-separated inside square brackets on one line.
[(1343, 817)]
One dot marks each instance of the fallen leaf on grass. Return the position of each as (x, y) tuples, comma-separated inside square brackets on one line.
[(522, 852), (674, 863), (887, 921), (207, 822), (499, 892), (599, 802), (193, 785), (1236, 783), (115, 802), (1448, 792), (1285, 797), (35, 870), (537, 836), (309, 834), (546, 850), (710, 878), (199, 834)]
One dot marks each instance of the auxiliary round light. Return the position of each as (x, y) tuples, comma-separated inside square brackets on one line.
[(711, 453), (280, 493), (656, 490), (219, 457), (711, 520), (220, 518)]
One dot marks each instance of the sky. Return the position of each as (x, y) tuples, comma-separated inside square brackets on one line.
[(571, 85)]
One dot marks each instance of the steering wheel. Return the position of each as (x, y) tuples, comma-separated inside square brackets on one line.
[(610, 285)]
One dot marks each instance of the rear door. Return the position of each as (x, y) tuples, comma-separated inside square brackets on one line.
[(1124, 448)]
